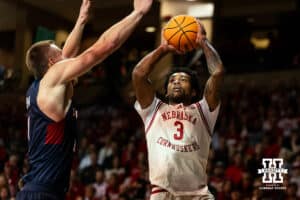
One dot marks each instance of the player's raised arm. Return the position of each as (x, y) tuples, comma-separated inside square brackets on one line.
[(107, 43), (140, 74), (72, 44), (215, 67)]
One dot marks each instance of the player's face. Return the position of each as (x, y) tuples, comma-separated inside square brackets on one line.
[(179, 87)]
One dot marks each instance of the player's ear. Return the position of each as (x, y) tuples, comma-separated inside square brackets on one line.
[(50, 62)]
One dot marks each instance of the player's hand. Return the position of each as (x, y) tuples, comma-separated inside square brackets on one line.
[(201, 35), (142, 6), (167, 47), (84, 13)]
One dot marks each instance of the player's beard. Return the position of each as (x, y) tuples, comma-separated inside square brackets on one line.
[(179, 98)]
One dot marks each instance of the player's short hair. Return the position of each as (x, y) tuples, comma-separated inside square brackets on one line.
[(37, 58), (194, 80)]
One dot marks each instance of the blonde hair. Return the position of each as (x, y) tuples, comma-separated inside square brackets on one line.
[(37, 58)]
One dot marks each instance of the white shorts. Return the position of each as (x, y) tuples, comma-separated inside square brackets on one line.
[(162, 194)]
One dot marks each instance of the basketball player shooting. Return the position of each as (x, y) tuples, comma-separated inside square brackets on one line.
[(51, 117), (179, 131)]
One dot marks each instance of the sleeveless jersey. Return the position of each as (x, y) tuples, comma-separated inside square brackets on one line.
[(50, 145), (178, 141)]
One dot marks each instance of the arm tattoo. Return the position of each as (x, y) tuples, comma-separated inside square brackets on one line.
[(212, 57), (214, 83)]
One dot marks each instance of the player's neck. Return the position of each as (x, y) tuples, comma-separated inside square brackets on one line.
[(185, 103)]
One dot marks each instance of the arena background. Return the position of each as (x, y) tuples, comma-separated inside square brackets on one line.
[(260, 114)]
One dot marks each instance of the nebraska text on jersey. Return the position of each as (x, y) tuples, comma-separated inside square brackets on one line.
[(180, 115)]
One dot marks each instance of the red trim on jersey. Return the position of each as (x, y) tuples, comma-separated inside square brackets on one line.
[(158, 191), (203, 118), (153, 117), (55, 133)]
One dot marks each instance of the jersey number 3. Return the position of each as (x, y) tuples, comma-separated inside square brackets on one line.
[(179, 134)]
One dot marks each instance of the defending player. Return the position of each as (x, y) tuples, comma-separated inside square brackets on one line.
[(51, 118), (178, 132)]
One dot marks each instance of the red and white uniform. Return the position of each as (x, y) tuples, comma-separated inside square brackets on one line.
[(178, 140)]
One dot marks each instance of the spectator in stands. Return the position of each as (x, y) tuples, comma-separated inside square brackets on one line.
[(235, 171), (89, 172), (100, 184)]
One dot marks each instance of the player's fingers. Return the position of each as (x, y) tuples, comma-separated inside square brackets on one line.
[(173, 49), (201, 27)]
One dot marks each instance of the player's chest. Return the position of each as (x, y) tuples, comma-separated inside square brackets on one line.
[(180, 124)]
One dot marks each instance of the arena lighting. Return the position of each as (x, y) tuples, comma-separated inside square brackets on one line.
[(203, 10), (260, 43), (150, 29)]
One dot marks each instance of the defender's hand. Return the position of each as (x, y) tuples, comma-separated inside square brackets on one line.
[(84, 13)]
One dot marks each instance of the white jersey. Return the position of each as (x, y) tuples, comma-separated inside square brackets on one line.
[(178, 140)]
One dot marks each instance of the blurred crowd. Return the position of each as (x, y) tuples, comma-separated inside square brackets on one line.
[(255, 122)]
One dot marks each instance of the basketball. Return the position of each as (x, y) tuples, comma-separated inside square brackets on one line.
[(181, 32)]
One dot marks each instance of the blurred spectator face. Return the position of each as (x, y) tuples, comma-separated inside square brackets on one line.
[(93, 156), (83, 143), (113, 180), (25, 167), (141, 157), (130, 147), (13, 160), (116, 162), (3, 181), (219, 169), (4, 193), (258, 149), (227, 186), (296, 169), (99, 176), (235, 195), (246, 181), (292, 190), (256, 193), (257, 182), (89, 192), (238, 159), (222, 143), (7, 169), (114, 147), (73, 175)]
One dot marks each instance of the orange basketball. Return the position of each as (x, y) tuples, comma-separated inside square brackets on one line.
[(181, 32)]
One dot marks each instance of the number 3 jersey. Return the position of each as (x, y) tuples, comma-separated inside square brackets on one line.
[(178, 141)]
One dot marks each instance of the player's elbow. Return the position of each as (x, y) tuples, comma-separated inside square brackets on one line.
[(138, 73), (218, 75), (220, 72)]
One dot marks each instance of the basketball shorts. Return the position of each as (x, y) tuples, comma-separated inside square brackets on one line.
[(37, 192), (162, 194)]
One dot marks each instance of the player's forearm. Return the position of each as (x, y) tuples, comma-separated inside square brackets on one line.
[(107, 43), (213, 88), (147, 64), (72, 44), (214, 62), (119, 33)]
